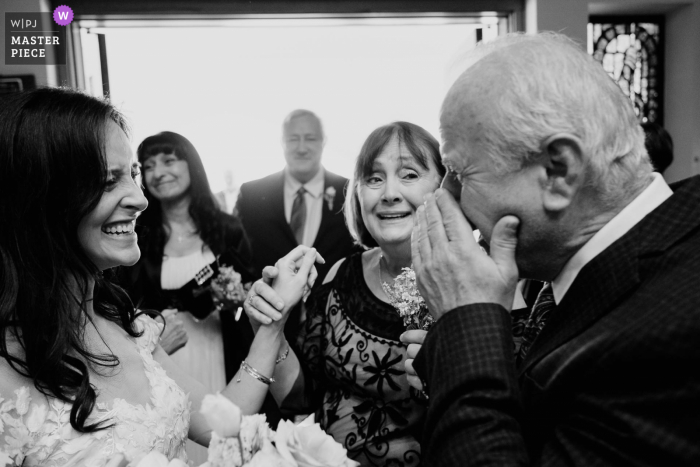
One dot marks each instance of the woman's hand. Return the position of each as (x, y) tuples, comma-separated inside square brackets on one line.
[(282, 285), (292, 279), (414, 339), (174, 336)]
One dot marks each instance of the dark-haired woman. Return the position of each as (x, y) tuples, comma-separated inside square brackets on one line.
[(82, 377), (352, 361), (184, 239)]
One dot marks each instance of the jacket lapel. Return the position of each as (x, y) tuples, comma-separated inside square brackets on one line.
[(326, 213), (615, 272), (611, 274)]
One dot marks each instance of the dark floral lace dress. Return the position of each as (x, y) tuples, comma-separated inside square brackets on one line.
[(351, 350)]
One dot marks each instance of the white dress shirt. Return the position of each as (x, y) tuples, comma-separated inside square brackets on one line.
[(314, 202), (177, 271), (648, 200)]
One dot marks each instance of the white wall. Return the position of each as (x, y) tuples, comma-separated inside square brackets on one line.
[(568, 17), (45, 75), (682, 60), (682, 89)]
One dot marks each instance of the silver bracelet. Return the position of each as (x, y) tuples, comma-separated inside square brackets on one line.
[(254, 373), (282, 357)]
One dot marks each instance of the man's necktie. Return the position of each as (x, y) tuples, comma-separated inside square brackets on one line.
[(298, 219), (536, 321)]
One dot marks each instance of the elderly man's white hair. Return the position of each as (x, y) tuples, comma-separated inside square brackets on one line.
[(542, 85), (302, 113)]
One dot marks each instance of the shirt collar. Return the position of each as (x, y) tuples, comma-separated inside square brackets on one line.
[(314, 186), (652, 197)]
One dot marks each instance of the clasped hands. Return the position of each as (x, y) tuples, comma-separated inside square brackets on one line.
[(281, 287)]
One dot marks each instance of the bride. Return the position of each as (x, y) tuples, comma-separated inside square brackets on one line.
[(82, 377)]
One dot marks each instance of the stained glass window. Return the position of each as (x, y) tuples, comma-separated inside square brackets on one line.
[(631, 51)]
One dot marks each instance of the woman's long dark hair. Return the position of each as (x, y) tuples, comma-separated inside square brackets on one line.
[(52, 173), (211, 223)]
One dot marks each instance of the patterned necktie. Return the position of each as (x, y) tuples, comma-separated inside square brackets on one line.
[(298, 219), (538, 318)]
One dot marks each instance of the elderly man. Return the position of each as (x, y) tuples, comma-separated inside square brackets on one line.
[(302, 205), (546, 158)]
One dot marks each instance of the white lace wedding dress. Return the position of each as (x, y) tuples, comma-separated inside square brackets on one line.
[(40, 434)]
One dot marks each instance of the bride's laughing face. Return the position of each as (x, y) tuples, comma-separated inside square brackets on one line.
[(107, 232)]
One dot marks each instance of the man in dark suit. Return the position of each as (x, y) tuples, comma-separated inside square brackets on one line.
[(303, 204), (547, 160)]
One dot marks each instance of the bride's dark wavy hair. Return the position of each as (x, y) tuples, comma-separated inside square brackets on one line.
[(211, 223), (53, 172)]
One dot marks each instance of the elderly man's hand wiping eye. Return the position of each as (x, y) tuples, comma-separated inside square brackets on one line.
[(451, 269)]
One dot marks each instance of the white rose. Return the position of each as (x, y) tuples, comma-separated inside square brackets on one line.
[(157, 459), (153, 459), (307, 445), (269, 457), (222, 415)]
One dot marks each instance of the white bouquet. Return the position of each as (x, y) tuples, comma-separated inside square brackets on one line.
[(156, 459), (239, 441)]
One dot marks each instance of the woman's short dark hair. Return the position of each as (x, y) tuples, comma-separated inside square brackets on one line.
[(210, 221), (53, 172), (419, 143)]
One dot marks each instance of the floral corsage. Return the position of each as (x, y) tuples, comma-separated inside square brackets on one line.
[(228, 290), (407, 300), (329, 196)]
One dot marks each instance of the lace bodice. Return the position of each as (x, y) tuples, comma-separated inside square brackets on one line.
[(34, 433), (351, 349)]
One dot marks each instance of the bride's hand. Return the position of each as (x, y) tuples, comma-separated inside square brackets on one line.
[(294, 273), (265, 304)]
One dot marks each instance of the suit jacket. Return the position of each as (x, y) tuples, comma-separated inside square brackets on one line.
[(260, 206), (613, 378)]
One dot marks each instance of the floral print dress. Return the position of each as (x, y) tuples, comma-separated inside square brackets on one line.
[(39, 433), (351, 350)]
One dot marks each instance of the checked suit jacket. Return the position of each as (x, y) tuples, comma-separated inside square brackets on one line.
[(613, 378)]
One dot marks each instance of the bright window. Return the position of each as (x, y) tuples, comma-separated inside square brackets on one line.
[(228, 88)]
